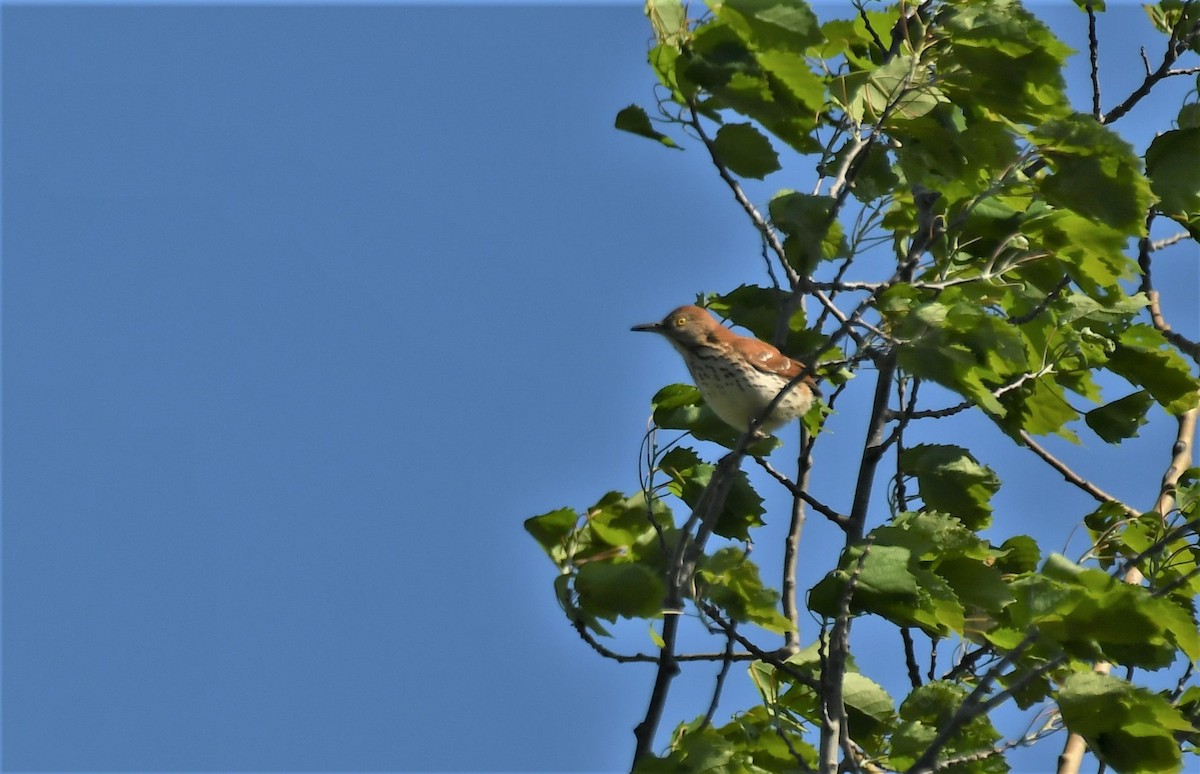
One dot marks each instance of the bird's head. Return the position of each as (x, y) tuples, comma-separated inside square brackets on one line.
[(686, 327)]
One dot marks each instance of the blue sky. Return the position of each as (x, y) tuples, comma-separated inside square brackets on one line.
[(305, 310)]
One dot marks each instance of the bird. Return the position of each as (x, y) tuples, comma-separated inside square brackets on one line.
[(738, 376)]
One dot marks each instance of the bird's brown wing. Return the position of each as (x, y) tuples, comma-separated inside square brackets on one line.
[(769, 360)]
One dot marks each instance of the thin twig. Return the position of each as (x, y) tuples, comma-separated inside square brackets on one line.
[(798, 491), (834, 722), (776, 658), (726, 663), (1145, 249), (973, 705), (645, 658), (1160, 244), (1073, 477), (1176, 45)]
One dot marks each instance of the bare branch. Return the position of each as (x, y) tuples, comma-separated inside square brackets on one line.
[(1073, 477), (645, 658), (721, 675), (769, 235), (1176, 45), (910, 658), (1161, 244), (1145, 249), (1094, 60), (799, 491), (791, 544)]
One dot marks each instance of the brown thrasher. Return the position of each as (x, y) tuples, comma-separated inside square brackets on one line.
[(737, 375)]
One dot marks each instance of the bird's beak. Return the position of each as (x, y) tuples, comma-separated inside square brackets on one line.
[(648, 328)]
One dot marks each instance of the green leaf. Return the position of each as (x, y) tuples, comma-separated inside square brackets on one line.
[(929, 708), (787, 25), (669, 20), (681, 407), (792, 72), (718, 61), (976, 583), (1021, 554), (1189, 118), (1092, 615), (732, 582), (952, 481), (891, 584), (1096, 173), (1173, 165), (743, 507), (1129, 728), (1093, 253), (1120, 419), (633, 119), (625, 589), (1003, 59), (617, 521), (901, 90), (551, 531), (870, 707), (1145, 358), (812, 235), (746, 151), (884, 574)]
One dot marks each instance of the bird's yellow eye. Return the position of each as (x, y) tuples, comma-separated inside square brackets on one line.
[(680, 321)]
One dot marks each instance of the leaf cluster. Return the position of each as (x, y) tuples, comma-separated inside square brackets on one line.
[(968, 241)]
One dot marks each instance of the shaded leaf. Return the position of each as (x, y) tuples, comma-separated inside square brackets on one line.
[(1145, 358), (812, 234), (624, 589), (1120, 419), (633, 119), (1173, 165), (746, 151), (772, 24), (743, 507), (681, 407), (1004, 59)]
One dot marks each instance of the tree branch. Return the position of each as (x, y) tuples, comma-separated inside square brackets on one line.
[(1073, 477), (1094, 60), (1176, 45)]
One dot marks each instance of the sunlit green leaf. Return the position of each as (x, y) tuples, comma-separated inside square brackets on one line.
[(951, 480), (1127, 727), (732, 582), (551, 529), (1096, 173)]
